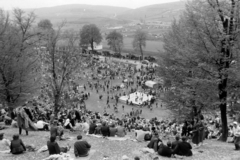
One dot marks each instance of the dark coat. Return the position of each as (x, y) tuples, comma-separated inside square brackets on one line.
[(54, 131), (195, 132), (164, 151), (105, 131), (81, 148), (154, 144), (183, 149), (174, 144), (17, 146), (92, 128), (53, 148), (112, 131)]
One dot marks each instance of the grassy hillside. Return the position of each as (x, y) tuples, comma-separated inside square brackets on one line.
[(161, 12), (100, 15), (79, 13)]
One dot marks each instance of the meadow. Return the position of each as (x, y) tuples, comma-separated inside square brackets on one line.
[(153, 48)]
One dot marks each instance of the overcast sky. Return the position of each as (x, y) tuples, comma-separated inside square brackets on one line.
[(9, 4)]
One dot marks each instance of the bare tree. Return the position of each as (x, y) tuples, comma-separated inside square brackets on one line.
[(139, 41), (62, 61), (19, 65)]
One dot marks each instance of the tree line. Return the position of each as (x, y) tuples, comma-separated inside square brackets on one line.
[(201, 60), (42, 60)]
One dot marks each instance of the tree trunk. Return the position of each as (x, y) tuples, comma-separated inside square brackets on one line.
[(56, 104), (223, 108), (140, 47), (224, 65), (92, 46)]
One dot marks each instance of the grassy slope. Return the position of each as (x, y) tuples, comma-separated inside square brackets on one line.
[(212, 150), (160, 12), (152, 47)]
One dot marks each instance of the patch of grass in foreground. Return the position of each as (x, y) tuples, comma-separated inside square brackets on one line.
[(212, 150)]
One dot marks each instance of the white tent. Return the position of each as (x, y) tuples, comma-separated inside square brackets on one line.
[(151, 84), (136, 98)]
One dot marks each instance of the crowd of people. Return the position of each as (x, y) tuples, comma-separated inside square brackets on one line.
[(77, 118)]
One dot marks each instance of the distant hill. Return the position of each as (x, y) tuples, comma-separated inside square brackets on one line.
[(104, 16), (78, 12), (163, 12)]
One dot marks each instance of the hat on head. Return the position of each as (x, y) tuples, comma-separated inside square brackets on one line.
[(235, 122)]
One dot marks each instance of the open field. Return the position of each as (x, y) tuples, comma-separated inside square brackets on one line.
[(151, 46), (94, 104)]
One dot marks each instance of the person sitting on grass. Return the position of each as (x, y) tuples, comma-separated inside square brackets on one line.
[(54, 131), (41, 125), (81, 147), (175, 143), (85, 126), (183, 148), (105, 130), (17, 146), (54, 148), (113, 130), (140, 134), (121, 131), (154, 142), (68, 125), (164, 150), (4, 144), (92, 127)]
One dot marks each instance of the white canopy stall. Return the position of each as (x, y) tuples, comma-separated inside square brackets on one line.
[(137, 98), (151, 84)]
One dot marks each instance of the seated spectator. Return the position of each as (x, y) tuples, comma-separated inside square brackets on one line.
[(81, 147), (140, 134), (68, 125), (183, 148), (41, 125), (17, 146), (98, 128), (136, 158), (154, 142), (4, 144), (55, 131), (85, 127), (112, 130), (92, 127), (78, 126), (105, 130), (175, 143), (54, 148), (164, 150), (121, 132)]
